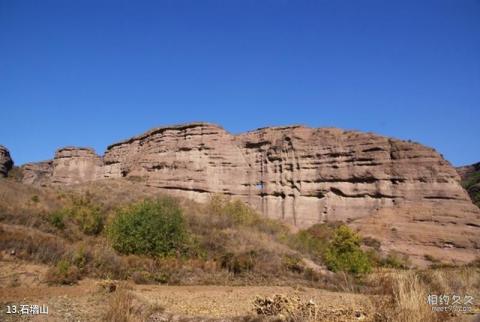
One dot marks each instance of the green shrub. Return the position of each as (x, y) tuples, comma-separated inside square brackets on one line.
[(63, 273), (344, 253), (305, 242), (83, 212), (233, 212), (293, 263), (57, 218), (314, 240), (80, 257), (87, 215), (311, 275), (150, 227), (473, 179)]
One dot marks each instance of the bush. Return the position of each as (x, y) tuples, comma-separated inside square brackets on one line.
[(80, 257), (395, 260), (150, 227), (63, 273), (140, 277), (344, 253), (57, 219), (238, 263), (293, 263), (87, 215), (314, 240), (232, 212)]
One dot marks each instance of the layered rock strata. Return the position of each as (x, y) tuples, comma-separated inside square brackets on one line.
[(386, 187)]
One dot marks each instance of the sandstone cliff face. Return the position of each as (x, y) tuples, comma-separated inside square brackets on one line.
[(38, 173), (403, 193), (6, 162), (339, 175), (76, 165), (195, 158)]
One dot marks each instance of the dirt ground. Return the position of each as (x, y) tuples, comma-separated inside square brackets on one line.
[(21, 283)]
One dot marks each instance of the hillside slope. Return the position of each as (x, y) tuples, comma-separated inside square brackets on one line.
[(471, 181), (399, 192)]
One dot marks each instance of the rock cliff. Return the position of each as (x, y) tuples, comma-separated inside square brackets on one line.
[(6, 162), (401, 192)]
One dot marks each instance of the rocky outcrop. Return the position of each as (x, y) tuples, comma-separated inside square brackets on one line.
[(6, 162), (38, 173), (401, 192), (71, 165), (76, 165), (342, 175)]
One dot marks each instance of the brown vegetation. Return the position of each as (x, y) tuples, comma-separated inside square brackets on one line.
[(228, 244)]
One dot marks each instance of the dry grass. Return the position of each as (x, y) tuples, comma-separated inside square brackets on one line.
[(32, 245), (410, 295), (249, 248), (63, 273), (408, 291), (123, 306)]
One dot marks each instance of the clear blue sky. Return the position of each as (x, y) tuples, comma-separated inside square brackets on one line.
[(93, 72)]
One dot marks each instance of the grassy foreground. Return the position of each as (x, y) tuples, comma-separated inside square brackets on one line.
[(128, 240)]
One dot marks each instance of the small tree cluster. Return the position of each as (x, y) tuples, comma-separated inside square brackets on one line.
[(344, 253), (150, 227)]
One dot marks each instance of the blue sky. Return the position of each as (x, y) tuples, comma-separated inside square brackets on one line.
[(91, 73)]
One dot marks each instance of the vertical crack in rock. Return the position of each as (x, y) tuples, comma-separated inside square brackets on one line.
[(299, 174)]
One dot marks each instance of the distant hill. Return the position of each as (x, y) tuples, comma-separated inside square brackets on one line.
[(471, 181)]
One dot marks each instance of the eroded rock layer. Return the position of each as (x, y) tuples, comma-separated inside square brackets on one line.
[(6, 162), (403, 193)]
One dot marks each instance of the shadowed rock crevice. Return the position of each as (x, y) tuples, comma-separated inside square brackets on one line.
[(6, 162), (295, 173), (402, 193)]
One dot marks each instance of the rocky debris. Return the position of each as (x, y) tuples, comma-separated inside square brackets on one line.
[(402, 193), (293, 308), (288, 307), (6, 162)]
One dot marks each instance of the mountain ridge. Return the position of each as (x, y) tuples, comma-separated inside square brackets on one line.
[(400, 192)]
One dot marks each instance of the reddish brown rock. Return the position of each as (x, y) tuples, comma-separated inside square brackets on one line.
[(38, 173), (76, 165), (402, 193)]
